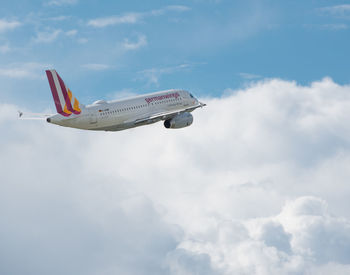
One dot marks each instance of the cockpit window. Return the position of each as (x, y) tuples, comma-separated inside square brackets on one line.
[(191, 96)]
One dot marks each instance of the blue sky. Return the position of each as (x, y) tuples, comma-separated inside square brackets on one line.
[(112, 48)]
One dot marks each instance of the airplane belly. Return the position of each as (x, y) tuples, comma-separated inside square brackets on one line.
[(108, 123)]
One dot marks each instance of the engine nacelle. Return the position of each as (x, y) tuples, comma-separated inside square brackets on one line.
[(179, 121)]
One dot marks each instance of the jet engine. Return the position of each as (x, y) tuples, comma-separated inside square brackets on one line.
[(179, 121)]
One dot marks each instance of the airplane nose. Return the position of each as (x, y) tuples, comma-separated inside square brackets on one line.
[(48, 119)]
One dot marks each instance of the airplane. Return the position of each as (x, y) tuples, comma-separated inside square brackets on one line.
[(174, 107)]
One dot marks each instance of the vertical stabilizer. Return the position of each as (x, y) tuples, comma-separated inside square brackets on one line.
[(66, 103)]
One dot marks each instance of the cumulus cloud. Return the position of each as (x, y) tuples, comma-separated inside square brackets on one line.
[(302, 237), (257, 185)]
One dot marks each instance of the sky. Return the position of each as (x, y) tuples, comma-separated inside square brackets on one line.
[(259, 184), (107, 49)]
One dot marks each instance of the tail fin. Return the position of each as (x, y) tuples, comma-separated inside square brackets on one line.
[(65, 102)]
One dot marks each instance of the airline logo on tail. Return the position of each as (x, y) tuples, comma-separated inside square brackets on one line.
[(66, 103)]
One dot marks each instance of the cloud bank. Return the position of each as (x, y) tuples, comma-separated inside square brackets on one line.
[(257, 185)]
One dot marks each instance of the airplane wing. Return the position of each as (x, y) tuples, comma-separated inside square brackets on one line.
[(33, 116), (163, 115)]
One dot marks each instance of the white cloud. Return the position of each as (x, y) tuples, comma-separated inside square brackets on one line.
[(6, 25), (82, 40), (174, 8), (257, 185), (50, 36), (329, 27), (304, 236), (154, 74), (71, 33), (130, 18), (122, 94), (335, 27), (130, 45), (23, 70), (62, 2), (133, 17), (96, 66), (47, 36), (249, 76), (337, 10), (5, 48), (59, 18)]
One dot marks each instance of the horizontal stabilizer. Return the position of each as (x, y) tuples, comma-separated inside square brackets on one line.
[(33, 116)]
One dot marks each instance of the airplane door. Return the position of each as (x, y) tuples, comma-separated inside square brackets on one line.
[(92, 119)]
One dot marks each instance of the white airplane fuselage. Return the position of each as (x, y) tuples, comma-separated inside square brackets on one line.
[(172, 106)]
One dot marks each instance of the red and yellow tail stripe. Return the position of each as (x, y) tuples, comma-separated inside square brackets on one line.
[(66, 103)]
